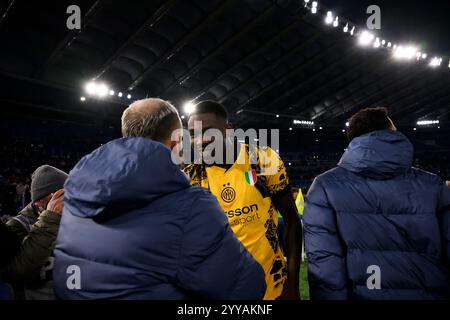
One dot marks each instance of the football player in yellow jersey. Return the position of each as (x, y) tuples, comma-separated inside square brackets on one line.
[(250, 198)]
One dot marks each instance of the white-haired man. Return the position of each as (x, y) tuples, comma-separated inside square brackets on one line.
[(134, 228)]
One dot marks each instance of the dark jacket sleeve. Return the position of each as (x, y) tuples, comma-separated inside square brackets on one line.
[(9, 244), (35, 249), (213, 262), (325, 251), (444, 220), (15, 226)]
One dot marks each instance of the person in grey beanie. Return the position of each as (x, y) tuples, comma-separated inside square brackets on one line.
[(33, 280), (45, 181)]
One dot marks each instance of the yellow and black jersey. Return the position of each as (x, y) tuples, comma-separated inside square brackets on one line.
[(245, 191)]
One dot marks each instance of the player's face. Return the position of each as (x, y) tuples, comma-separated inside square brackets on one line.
[(207, 121)]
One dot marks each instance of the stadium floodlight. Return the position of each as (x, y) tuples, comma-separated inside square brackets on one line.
[(405, 53), (120, 94), (435, 62), (352, 32), (377, 43), (129, 96), (424, 55), (365, 38), (345, 28), (111, 92), (314, 7), (329, 18), (415, 129), (102, 90), (290, 164), (304, 122), (343, 130), (290, 129), (427, 122), (277, 115), (320, 128), (383, 42), (347, 124), (98, 89), (336, 22), (83, 99), (91, 88), (182, 116), (389, 44), (189, 107)]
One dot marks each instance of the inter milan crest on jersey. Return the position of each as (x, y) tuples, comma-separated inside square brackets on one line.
[(250, 177), (228, 194)]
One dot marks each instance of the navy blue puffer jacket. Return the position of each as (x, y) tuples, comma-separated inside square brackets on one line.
[(376, 228), (134, 228)]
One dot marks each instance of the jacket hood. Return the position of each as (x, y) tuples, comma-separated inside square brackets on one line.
[(123, 175), (379, 155)]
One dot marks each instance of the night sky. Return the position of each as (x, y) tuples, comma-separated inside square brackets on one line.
[(424, 23)]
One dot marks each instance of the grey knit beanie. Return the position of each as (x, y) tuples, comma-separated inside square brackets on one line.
[(45, 180)]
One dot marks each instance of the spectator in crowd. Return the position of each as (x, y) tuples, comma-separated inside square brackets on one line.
[(134, 228), (21, 189), (9, 246), (19, 261), (264, 193), (47, 203), (375, 227)]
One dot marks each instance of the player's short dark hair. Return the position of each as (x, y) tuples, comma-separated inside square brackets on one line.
[(368, 120), (209, 106)]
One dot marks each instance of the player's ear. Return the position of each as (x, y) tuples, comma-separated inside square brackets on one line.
[(172, 144)]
